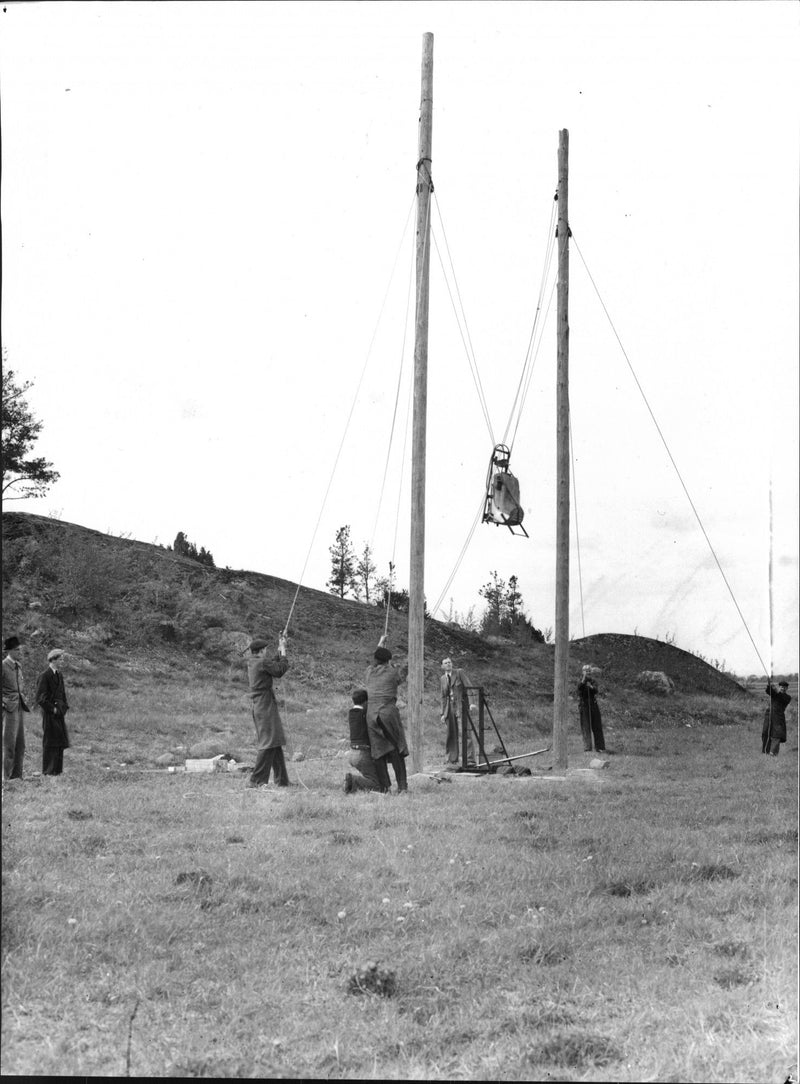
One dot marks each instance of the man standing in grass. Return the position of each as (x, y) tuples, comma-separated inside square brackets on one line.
[(387, 737), (13, 707), (51, 697), (773, 732), (270, 738), (453, 683), (591, 722)]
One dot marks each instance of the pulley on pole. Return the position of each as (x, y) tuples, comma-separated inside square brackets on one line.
[(561, 666), (416, 592)]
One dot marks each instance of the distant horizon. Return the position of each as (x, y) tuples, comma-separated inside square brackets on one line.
[(751, 677)]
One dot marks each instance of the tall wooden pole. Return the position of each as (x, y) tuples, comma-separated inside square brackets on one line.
[(560, 674), (416, 590)]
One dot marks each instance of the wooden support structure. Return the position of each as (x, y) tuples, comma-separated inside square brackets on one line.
[(561, 666), (416, 591)]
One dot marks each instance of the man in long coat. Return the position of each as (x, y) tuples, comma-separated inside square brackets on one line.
[(51, 697), (270, 738), (13, 707), (591, 722), (453, 683), (773, 732), (387, 736)]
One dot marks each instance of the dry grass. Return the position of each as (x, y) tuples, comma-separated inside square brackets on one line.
[(637, 925), (633, 924)]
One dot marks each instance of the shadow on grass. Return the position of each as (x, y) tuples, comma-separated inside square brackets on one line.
[(576, 1050)]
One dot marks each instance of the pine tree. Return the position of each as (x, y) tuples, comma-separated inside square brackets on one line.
[(343, 565), (512, 604), (494, 592), (180, 545), (20, 431), (185, 548), (365, 571)]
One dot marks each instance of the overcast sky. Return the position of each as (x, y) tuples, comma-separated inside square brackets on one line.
[(202, 207)]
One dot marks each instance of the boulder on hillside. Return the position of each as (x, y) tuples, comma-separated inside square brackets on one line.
[(655, 682), (93, 634)]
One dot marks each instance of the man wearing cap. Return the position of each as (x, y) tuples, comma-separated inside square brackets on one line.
[(51, 697), (13, 707), (387, 737), (773, 732), (453, 684), (270, 738)]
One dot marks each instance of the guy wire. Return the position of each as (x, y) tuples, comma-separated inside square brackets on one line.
[(669, 453), (347, 422), (577, 532), (467, 342)]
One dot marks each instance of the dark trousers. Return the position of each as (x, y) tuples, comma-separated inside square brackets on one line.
[(52, 759), (398, 764), (769, 744), (373, 774), (13, 744), (270, 760), (453, 741), (592, 727)]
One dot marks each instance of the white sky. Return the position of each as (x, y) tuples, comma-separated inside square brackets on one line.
[(202, 204)]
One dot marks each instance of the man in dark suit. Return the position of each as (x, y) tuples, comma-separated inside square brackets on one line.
[(51, 697), (453, 683), (13, 707), (773, 732)]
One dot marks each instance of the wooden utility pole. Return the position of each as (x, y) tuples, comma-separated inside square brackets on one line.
[(560, 672), (416, 588)]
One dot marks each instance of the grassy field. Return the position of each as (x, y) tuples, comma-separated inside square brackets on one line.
[(632, 923)]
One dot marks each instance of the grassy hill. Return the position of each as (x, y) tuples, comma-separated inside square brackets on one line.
[(131, 613), (635, 923)]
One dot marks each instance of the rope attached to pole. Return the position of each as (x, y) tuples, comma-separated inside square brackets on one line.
[(347, 423), (671, 458)]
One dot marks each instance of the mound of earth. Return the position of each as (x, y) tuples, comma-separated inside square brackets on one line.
[(622, 657)]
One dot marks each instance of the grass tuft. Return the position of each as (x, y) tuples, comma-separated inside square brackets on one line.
[(714, 871), (576, 1050), (373, 979)]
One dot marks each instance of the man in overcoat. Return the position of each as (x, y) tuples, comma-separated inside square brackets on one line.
[(387, 736), (773, 732), (13, 708), (270, 737), (51, 698), (453, 683), (591, 722)]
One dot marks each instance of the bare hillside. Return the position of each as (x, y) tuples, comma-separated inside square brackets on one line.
[(123, 602)]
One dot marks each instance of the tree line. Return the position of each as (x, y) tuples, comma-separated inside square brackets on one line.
[(353, 574)]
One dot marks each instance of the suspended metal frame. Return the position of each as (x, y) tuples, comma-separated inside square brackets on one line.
[(499, 479)]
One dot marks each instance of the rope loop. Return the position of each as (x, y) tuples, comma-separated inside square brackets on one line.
[(430, 178)]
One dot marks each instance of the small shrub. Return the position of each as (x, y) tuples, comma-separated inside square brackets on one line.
[(372, 979)]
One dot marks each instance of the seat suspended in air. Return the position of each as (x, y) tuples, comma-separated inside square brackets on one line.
[(502, 506)]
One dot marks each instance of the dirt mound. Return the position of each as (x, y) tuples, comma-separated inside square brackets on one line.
[(622, 657)]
